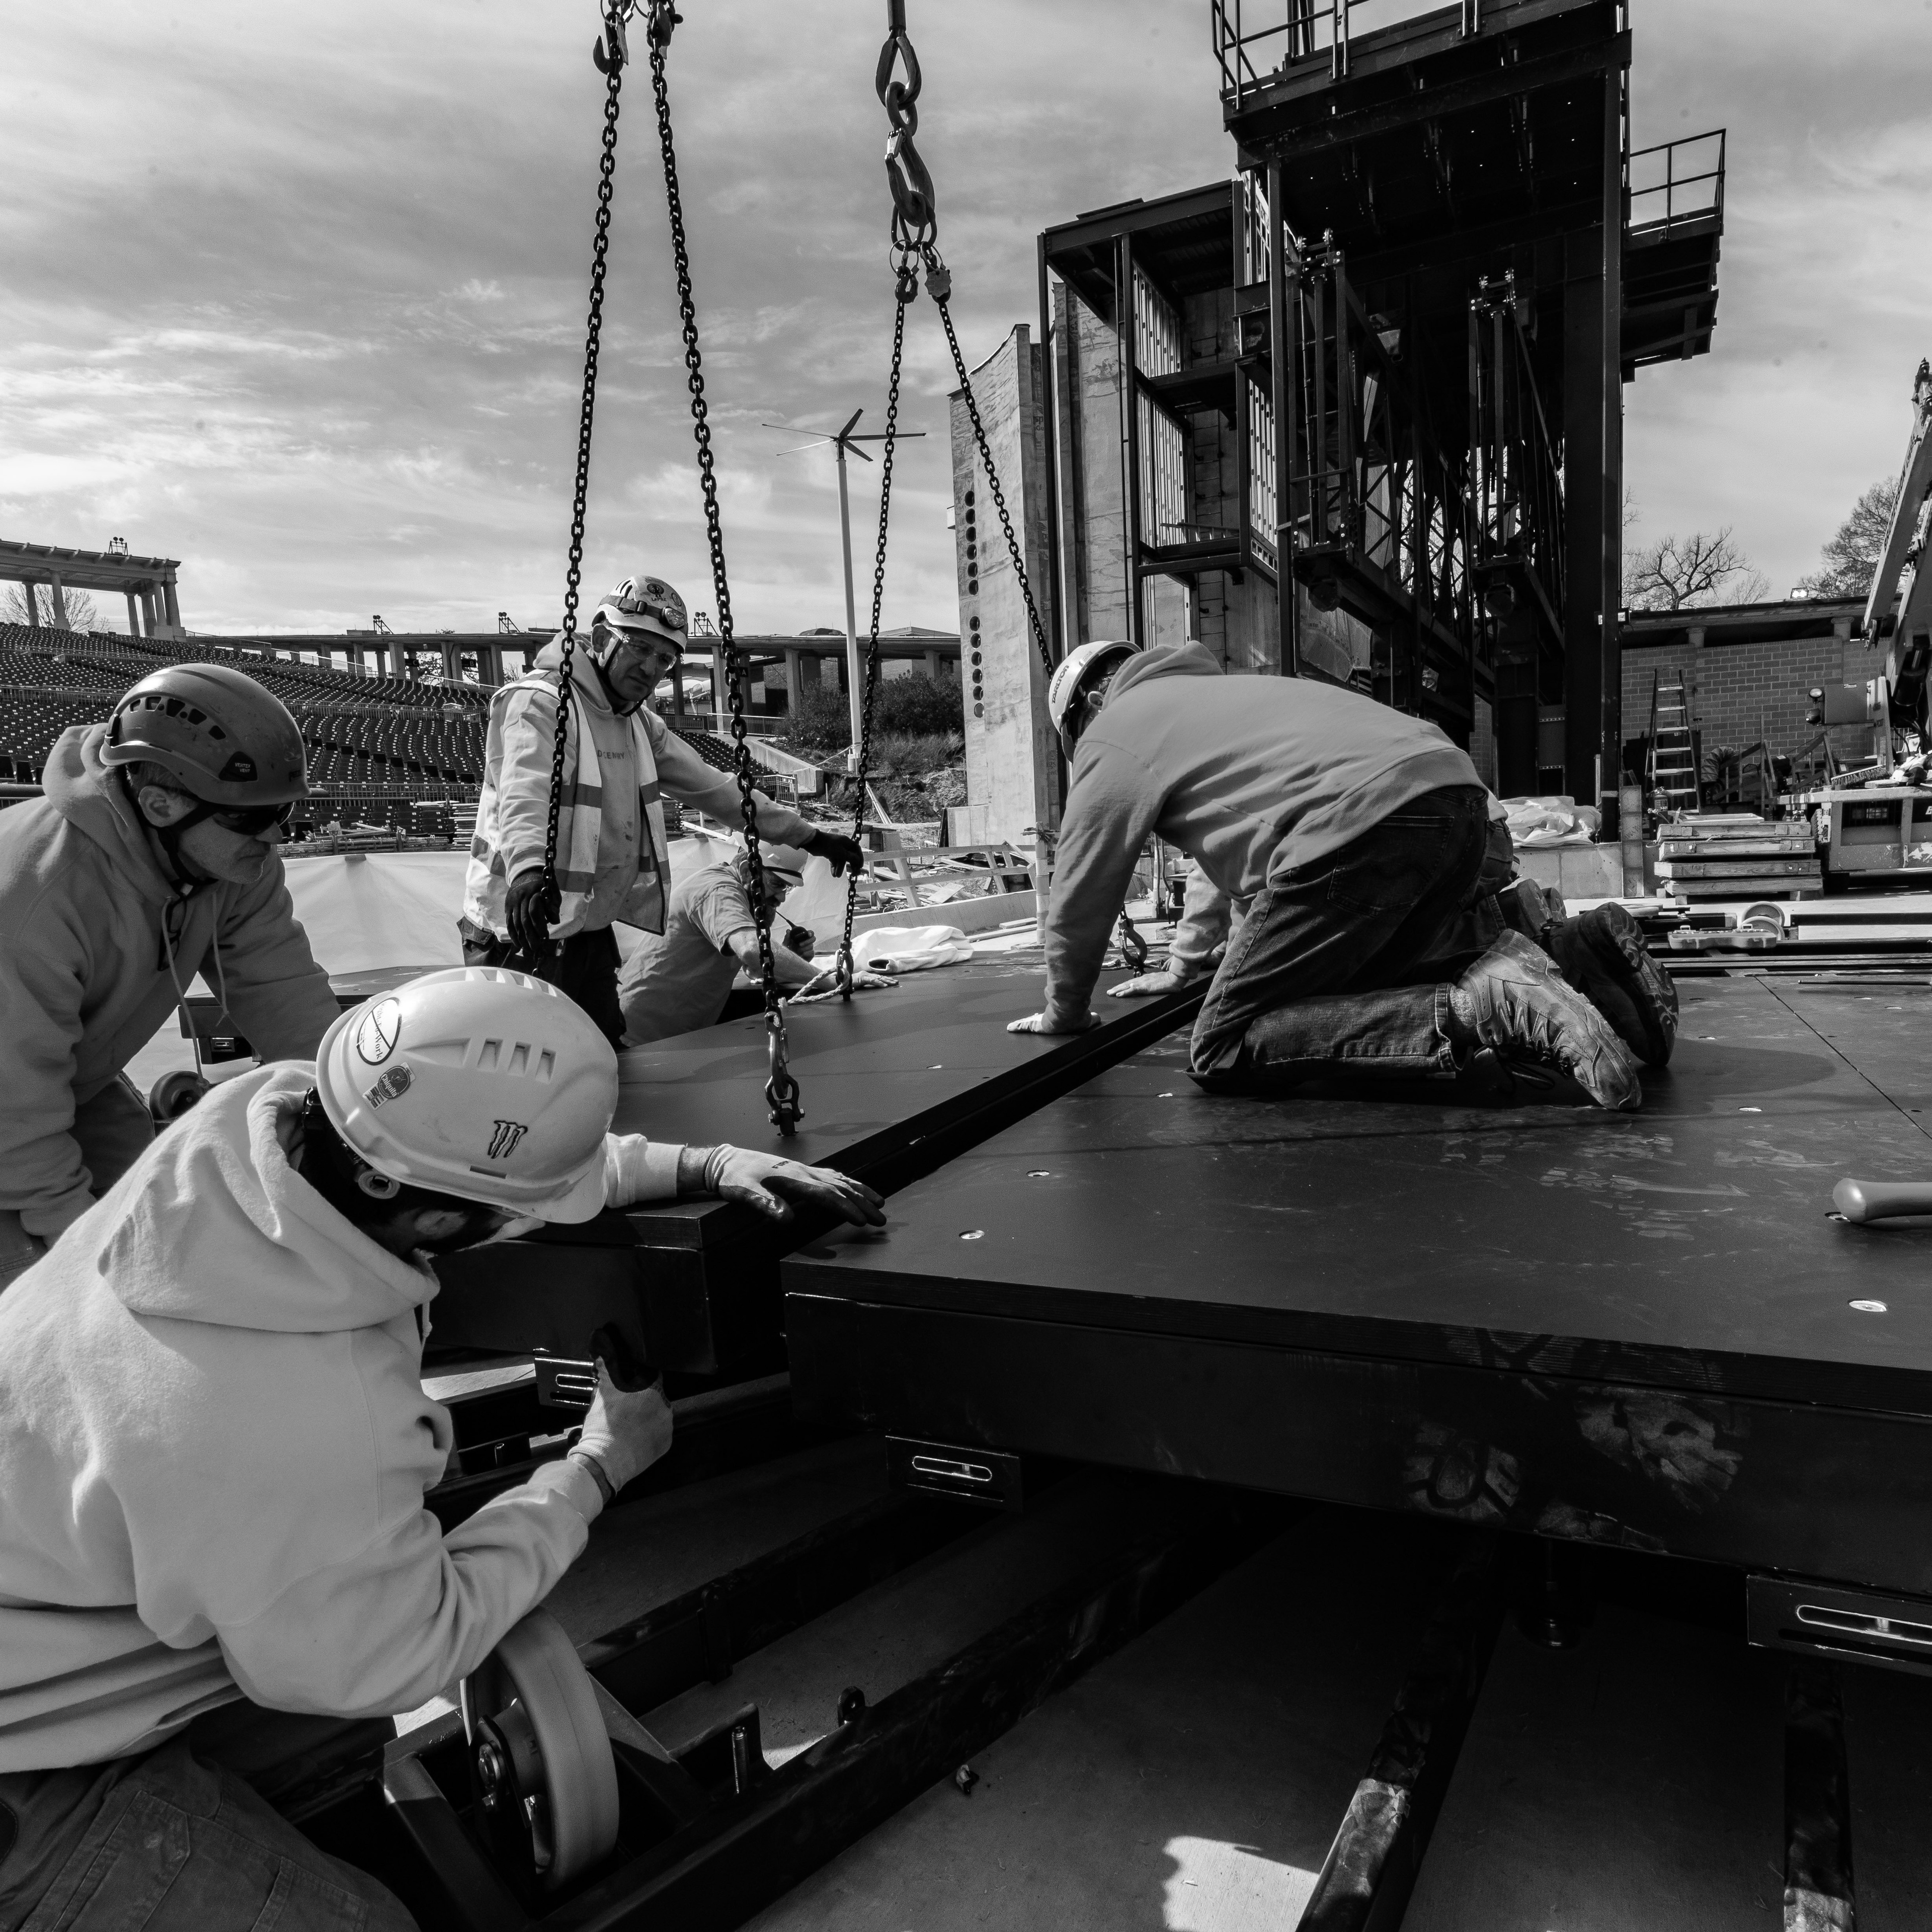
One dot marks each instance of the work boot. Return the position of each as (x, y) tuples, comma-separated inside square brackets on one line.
[(1532, 910), (1515, 1002), (1603, 956)]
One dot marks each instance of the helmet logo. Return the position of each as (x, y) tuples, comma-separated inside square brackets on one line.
[(504, 1137), (388, 1086), (238, 770), (377, 1032)]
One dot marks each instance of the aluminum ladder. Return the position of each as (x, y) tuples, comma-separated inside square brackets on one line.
[(1673, 758)]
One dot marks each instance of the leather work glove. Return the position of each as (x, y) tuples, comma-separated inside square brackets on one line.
[(1146, 985), (842, 853), (626, 1430), (528, 912), (765, 1180), (1054, 1023)]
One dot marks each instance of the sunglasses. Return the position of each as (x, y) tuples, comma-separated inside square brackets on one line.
[(252, 820)]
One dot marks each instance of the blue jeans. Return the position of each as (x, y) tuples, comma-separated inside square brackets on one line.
[(169, 1842), (1343, 966)]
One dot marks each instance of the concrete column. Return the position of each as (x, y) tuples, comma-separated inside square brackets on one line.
[(150, 617), (720, 695), (171, 607), (133, 615), (932, 665), (33, 604), (60, 604)]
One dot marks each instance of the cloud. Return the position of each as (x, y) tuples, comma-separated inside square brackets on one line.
[(302, 302)]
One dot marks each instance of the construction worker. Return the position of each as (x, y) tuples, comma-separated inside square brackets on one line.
[(151, 858), (1358, 837), (680, 979), (214, 1442), (611, 860)]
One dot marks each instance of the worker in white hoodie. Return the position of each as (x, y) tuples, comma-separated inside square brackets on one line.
[(151, 858), (1356, 836), (214, 1442)]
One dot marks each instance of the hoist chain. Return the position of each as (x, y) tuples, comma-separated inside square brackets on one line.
[(610, 59), (939, 286), (782, 1090), (915, 204), (907, 291)]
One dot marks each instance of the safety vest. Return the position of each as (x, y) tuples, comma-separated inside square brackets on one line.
[(580, 827)]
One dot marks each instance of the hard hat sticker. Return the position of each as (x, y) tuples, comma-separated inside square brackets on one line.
[(388, 1086), (377, 1031), (504, 1137)]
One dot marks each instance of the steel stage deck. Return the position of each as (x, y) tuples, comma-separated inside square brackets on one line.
[(894, 1083), (1637, 1329)]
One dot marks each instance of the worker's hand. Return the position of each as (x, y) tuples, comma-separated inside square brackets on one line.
[(528, 913), (1053, 1022), (1147, 985), (770, 1183), (627, 1430), (803, 941), (842, 853)]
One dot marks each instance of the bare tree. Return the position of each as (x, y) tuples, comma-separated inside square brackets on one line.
[(83, 613), (1682, 573), (1851, 558)]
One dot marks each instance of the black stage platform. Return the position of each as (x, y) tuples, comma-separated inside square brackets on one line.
[(1638, 1329), (894, 1083)]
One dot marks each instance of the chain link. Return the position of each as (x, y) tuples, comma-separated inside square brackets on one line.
[(552, 896), (782, 1089), (906, 293)]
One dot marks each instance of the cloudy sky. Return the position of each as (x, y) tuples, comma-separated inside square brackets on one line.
[(295, 296)]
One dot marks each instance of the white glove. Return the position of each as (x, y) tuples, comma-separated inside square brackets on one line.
[(626, 1430), (1051, 1022), (763, 1181), (1147, 985)]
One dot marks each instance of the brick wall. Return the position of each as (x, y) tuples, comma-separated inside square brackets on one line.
[(1739, 693)]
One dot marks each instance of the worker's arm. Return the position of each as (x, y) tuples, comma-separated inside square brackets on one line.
[(685, 777), (528, 736), (788, 968), (1111, 811), (1200, 937), (43, 969), (637, 1170), (277, 995)]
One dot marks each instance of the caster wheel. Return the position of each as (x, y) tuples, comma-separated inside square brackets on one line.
[(541, 1764)]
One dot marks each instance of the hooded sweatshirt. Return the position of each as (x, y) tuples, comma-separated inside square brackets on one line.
[(96, 945), (1249, 776), (214, 1446)]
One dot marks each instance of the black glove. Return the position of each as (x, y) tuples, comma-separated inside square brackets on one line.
[(842, 853), (528, 911)]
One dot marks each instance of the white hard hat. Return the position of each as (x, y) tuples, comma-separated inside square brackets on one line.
[(478, 1082), (1063, 690), (643, 606), (789, 859)]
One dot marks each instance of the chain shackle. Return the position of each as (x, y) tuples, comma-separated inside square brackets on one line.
[(782, 1091), (782, 1088), (552, 896), (915, 201)]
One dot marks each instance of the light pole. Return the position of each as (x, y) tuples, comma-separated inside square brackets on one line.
[(842, 440)]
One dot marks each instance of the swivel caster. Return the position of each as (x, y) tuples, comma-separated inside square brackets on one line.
[(540, 1757)]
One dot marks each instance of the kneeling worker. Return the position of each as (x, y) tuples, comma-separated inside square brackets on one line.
[(1358, 835), (620, 758), (679, 979), (214, 1442), (151, 858)]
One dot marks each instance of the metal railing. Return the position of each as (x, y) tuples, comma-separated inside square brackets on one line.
[(1300, 31), (719, 723), (1690, 184)]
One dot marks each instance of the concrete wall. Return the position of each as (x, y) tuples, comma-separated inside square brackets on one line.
[(1012, 767)]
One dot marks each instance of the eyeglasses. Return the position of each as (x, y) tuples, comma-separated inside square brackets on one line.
[(252, 820)]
